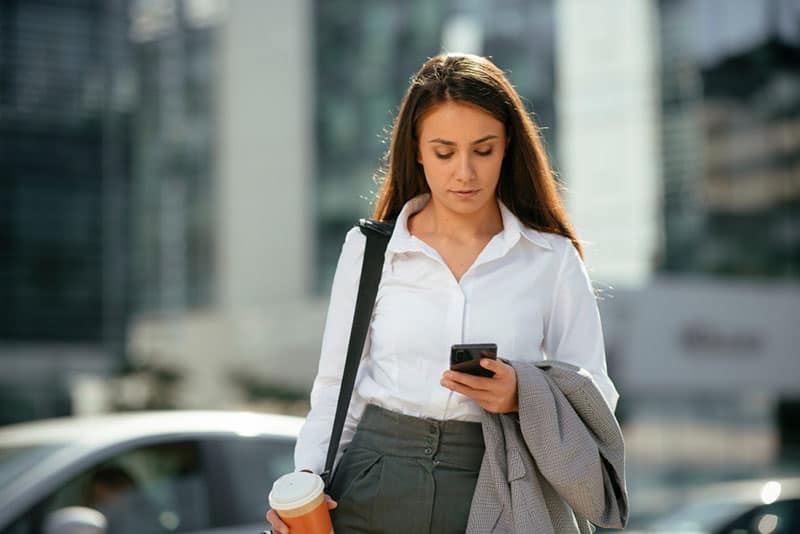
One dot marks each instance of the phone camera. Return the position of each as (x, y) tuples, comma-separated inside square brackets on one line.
[(461, 356)]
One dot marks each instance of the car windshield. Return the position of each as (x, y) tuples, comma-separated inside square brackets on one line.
[(16, 460), (698, 517)]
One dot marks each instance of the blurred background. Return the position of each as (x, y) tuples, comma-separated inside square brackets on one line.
[(177, 176)]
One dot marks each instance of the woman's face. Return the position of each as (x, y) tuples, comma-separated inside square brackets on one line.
[(461, 149)]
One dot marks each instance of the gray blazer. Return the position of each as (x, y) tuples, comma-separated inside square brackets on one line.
[(556, 468)]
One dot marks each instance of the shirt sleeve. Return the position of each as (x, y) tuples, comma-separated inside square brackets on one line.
[(573, 332), (312, 442)]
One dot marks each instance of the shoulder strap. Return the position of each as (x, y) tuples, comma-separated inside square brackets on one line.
[(378, 234)]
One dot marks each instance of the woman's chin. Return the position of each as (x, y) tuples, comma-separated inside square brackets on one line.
[(466, 204)]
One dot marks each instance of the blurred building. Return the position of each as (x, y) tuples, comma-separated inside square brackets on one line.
[(223, 163), (155, 172), (730, 83), (705, 354), (707, 373), (65, 112), (679, 136)]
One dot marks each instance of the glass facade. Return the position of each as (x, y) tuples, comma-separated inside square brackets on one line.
[(364, 65), (63, 161), (105, 158), (730, 84), (173, 148)]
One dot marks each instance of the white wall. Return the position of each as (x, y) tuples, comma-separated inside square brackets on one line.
[(681, 336), (264, 241), (607, 109)]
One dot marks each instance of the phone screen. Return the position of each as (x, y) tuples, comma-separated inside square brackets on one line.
[(466, 358)]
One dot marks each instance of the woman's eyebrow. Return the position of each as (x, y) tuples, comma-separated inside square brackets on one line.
[(451, 143)]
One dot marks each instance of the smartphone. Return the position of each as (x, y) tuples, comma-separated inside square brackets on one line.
[(466, 358)]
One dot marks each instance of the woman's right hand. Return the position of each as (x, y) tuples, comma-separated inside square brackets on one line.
[(279, 527)]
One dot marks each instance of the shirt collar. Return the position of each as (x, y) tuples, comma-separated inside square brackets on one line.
[(513, 229), (403, 241)]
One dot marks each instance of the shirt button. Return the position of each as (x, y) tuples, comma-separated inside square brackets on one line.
[(428, 450)]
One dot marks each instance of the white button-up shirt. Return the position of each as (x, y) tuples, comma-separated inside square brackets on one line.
[(527, 291)]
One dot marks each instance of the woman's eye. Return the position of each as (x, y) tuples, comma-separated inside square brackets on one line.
[(443, 156), (484, 152)]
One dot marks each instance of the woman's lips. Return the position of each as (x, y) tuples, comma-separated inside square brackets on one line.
[(465, 194)]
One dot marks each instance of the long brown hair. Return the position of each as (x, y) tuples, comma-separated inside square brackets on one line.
[(527, 184)]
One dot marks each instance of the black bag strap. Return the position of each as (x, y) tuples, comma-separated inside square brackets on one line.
[(378, 234)]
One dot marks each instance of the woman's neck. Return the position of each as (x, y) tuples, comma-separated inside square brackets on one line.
[(435, 219)]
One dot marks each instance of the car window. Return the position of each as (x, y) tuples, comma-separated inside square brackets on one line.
[(16, 461), (782, 517), (251, 465), (151, 489)]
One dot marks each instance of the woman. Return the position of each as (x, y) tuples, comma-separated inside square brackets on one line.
[(482, 252)]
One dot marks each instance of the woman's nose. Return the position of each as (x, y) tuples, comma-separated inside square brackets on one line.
[(465, 170)]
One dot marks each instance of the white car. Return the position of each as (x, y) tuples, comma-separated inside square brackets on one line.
[(144, 472), (762, 506)]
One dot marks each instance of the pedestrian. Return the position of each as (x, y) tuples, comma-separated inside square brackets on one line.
[(482, 252)]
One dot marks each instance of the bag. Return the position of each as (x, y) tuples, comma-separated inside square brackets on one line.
[(378, 234)]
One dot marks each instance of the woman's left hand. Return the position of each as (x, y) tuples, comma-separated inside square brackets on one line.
[(497, 394)]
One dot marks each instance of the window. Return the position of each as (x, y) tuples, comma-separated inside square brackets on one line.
[(153, 489), (251, 466)]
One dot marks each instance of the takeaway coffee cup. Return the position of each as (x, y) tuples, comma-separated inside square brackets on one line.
[(299, 500)]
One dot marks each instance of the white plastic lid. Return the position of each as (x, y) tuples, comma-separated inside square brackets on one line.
[(294, 490)]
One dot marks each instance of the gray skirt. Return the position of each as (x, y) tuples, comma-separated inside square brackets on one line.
[(406, 474)]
